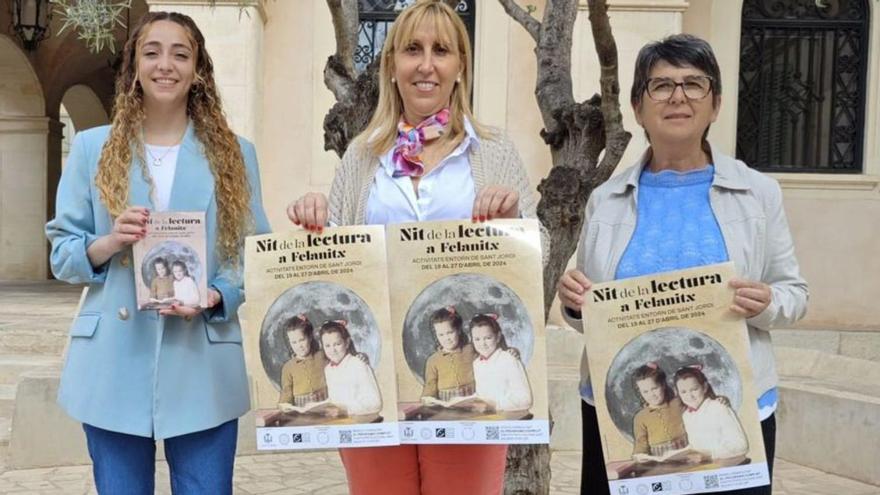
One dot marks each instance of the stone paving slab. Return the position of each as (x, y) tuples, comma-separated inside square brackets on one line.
[(322, 473)]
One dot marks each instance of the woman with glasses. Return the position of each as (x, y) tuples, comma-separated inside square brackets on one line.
[(685, 204)]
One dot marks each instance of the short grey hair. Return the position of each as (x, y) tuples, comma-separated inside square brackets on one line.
[(679, 50)]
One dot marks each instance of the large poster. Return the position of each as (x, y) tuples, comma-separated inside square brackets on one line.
[(170, 266), (468, 322), (321, 360), (673, 384)]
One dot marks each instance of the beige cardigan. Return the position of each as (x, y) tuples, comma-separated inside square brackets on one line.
[(494, 161)]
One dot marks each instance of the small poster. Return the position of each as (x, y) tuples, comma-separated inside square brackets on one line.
[(468, 320), (669, 365), (170, 262), (319, 350)]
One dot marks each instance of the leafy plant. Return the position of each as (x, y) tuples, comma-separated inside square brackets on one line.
[(93, 20)]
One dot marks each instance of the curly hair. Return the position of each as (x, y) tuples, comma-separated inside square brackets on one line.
[(219, 143)]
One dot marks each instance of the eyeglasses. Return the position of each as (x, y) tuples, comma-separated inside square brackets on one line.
[(693, 87)]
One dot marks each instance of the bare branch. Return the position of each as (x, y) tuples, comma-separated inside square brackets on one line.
[(345, 29), (524, 18), (339, 73), (554, 88), (616, 136)]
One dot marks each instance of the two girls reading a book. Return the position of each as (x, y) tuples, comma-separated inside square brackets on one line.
[(713, 429), (130, 377), (186, 292), (658, 427), (449, 371), (351, 384), (162, 286), (501, 379), (302, 377)]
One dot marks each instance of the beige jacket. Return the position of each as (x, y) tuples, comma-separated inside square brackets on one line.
[(749, 210)]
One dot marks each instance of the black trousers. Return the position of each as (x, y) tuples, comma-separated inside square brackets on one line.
[(594, 481)]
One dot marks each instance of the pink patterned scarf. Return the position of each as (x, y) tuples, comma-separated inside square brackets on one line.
[(411, 140)]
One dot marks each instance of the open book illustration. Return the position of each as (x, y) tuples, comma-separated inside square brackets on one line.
[(465, 402), (310, 408)]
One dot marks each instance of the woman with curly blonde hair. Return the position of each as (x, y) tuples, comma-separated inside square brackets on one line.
[(135, 377)]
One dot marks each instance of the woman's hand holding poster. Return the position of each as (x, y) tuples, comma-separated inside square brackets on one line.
[(673, 385)]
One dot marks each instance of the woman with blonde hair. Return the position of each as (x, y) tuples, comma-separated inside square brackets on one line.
[(423, 157), (135, 377)]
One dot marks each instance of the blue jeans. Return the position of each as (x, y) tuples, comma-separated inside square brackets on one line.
[(199, 463)]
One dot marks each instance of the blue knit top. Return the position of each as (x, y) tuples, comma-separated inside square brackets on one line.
[(677, 229), (675, 226)]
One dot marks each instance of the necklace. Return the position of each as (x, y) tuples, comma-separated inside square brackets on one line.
[(157, 160)]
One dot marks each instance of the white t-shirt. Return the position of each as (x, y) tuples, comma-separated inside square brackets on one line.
[(163, 174)]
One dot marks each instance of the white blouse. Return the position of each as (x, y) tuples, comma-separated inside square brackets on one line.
[(501, 378), (447, 192), (187, 292), (352, 385), (714, 428)]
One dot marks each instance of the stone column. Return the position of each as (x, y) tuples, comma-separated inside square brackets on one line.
[(23, 155), (233, 31), (54, 140)]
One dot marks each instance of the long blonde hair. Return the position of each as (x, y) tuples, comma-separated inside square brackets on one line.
[(219, 143), (381, 132)]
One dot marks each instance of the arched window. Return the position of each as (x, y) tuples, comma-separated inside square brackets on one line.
[(376, 17), (802, 85)]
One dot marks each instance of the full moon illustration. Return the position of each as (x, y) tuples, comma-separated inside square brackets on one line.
[(319, 301), (470, 294), (671, 348), (171, 251)]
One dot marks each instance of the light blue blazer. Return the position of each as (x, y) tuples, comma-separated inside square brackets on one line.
[(134, 371)]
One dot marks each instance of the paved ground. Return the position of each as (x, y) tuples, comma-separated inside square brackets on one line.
[(33, 318), (322, 474)]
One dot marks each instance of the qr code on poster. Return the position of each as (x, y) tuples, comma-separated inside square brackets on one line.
[(344, 436), (492, 433), (711, 480)]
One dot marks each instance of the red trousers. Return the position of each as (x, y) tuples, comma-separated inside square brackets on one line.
[(425, 469)]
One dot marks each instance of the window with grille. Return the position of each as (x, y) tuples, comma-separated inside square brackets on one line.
[(802, 85), (376, 17)]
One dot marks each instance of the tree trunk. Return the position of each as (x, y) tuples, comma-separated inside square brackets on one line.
[(577, 133)]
